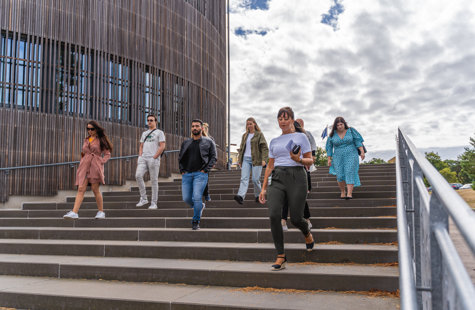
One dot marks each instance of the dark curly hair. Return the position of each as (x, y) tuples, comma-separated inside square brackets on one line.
[(339, 119)]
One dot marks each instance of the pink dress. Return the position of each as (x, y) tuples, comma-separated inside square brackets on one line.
[(92, 163)]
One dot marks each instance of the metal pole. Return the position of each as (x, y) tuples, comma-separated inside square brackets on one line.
[(228, 88)]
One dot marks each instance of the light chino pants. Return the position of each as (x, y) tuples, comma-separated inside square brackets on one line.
[(153, 167), (246, 169)]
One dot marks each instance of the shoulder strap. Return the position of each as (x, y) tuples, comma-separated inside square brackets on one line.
[(149, 135)]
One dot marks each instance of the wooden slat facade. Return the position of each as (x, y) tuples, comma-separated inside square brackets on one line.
[(63, 63)]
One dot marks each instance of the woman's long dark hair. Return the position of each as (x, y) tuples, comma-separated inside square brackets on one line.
[(106, 144), (339, 119)]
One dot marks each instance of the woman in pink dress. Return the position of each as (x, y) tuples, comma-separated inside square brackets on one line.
[(96, 151)]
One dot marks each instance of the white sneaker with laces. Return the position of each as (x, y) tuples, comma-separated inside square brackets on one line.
[(142, 202), (100, 215), (284, 226), (71, 216), (153, 205)]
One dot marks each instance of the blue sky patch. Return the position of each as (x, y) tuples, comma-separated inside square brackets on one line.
[(256, 4), (244, 32), (331, 18)]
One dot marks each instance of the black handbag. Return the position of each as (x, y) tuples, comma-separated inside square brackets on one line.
[(358, 149)]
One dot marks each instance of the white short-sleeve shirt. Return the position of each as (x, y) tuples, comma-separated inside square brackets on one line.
[(151, 145), (278, 150)]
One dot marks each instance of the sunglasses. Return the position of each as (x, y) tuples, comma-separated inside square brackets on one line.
[(150, 120), (90, 128)]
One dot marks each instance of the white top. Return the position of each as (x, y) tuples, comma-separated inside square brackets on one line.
[(150, 147), (247, 150), (279, 151)]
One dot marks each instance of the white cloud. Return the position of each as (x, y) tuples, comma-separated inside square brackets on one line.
[(390, 63)]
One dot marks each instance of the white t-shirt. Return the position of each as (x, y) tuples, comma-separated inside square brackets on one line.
[(247, 150), (150, 147), (278, 150)]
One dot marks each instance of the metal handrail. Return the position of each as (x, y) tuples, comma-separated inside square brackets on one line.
[(407, 282), (7, 169), (428, 260), (458, 209)]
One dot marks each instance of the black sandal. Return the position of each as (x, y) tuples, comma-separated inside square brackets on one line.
[(277, 267)]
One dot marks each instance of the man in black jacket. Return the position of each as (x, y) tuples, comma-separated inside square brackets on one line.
[(197, 157)]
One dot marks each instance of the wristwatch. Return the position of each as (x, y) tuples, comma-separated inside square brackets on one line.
[(301, 161)]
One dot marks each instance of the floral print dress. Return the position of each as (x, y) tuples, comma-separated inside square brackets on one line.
[(344, 153)]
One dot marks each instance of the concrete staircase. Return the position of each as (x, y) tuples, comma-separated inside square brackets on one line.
[(150, 259)]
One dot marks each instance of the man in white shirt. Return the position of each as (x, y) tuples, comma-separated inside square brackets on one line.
[(152, 145)]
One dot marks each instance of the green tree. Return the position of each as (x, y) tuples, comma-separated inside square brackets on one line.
[(456, 167), (375, 161), (436, 161), (320, 157), (467, 163), (449, 175)]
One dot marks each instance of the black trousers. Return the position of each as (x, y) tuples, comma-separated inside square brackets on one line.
[(288, 187), (306, 211)]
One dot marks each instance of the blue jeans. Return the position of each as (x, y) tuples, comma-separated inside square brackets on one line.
[(246, 169), (192, 187)]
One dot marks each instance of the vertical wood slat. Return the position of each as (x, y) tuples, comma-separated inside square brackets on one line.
[(180, 43)]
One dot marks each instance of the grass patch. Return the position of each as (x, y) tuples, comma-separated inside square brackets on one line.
[(468, 195)]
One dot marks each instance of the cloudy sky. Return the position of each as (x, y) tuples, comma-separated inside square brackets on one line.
[(379, 64)]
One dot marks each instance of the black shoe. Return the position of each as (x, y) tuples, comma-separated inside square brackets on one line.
[(277, 267), (195, 226), (257, 199), (238, 199), (310, 245), (348, 197)]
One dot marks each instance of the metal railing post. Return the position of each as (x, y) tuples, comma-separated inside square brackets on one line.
[(438, 219)]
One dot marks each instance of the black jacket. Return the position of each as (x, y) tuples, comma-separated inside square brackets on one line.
[(207, 151)]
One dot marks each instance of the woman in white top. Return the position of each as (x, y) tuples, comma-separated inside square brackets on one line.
[(288, 156)]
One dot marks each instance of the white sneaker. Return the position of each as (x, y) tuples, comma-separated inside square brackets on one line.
[(201, 213), (100, 215), (142, 202), (153, 205), (71, 216), (309, 224)]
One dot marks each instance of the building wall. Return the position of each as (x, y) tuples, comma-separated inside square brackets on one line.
[(65, 62)]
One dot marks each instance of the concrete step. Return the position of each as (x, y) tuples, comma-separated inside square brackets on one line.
[(234, 190), (206, 222), (311, 195), (250, 203), (211, 212), (363, 179), (323, 253), (315, 184), (203, 272), (243, 235), (55, 294), (329, 178)]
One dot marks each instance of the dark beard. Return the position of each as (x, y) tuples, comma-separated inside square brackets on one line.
[(196, 132)]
